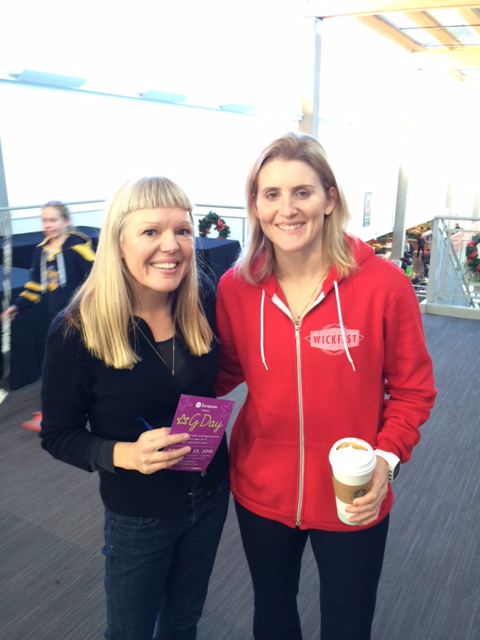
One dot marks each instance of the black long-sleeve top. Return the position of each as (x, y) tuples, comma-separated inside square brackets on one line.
[(78, 388)]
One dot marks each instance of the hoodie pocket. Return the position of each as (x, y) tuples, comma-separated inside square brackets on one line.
[(319, 497), (269, 475)]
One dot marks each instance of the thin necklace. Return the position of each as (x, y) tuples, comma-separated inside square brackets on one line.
[(300, 315), (157, 352)]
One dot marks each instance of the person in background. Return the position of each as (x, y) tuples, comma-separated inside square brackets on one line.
[(406, 264), (329, 340), (426, 264), (427, 239), (408, 248), (60, 263), (137, 335), (420, 243)]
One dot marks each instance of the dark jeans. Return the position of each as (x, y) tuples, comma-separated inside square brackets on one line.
[(349, 565), (157, 571)]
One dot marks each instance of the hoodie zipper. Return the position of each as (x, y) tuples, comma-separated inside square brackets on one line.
[(300, 424), (283, 307)]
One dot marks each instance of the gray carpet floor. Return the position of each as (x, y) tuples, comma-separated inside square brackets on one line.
[(51, 568)]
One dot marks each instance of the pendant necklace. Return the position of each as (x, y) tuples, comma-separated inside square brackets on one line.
[(157, 352), (299, 316)]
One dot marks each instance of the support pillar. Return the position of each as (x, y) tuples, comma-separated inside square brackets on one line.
[(311, 93), (476, 205), (449, 199), (399, 224), (3, 182), (6, 298)]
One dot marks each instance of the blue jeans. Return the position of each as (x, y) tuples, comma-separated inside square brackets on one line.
[(157, 571)]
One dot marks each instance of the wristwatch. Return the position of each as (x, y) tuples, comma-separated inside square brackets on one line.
[(393, 462)]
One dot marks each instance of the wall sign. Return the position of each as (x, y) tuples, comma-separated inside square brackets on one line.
[(367, 209)]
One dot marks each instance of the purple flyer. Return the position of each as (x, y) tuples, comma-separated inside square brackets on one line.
[(205, 419)]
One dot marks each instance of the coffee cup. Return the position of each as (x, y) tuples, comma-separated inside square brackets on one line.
[(353, 461)]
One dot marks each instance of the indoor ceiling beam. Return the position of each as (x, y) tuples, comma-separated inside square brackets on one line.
[(385, 29), (452, 58), (436, 30), (472, 18), (355, 8)]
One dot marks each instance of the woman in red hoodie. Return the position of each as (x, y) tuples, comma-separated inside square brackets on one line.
[(329, 340)]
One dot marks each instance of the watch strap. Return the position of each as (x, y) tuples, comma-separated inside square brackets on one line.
[(393, 462)]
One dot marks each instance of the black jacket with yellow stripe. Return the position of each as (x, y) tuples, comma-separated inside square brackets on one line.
[(57, 273)]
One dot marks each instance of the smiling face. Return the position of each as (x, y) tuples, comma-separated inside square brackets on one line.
[(54, 224), (291, 206), (157, 248)]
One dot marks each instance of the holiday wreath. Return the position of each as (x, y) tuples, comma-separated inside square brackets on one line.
[(212, 219), (471, 254)]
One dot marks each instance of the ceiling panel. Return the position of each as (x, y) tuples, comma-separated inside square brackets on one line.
[(446, 33)]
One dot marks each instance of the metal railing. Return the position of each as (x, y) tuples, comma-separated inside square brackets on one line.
[(453, 288), (85, 214), (420, 290)]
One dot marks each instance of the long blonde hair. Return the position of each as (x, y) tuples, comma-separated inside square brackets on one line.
[(336, 247), (102, 309)]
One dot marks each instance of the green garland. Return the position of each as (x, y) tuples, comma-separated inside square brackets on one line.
[(472, 255), (212, 219)]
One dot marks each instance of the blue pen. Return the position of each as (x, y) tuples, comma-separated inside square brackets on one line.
[(149, 426)]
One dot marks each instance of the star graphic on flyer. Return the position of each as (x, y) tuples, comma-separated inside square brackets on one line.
[(188, 401), (182, 419), (226, 409)]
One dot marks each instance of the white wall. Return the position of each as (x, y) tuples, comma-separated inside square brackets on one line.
[(364, 161), (79, 146), (378, 110), (73, 146)]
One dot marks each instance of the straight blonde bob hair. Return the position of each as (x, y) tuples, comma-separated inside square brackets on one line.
[(257, 261), (102, 309)]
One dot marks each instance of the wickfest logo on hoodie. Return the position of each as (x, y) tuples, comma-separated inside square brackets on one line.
[(330, 339)]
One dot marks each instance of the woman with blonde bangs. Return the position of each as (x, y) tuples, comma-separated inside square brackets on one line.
[(138, 334), (329, 340), (105, 301)]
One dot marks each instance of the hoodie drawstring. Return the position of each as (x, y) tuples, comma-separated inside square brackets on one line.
[(262, 350), (342, 329), (340, 320)]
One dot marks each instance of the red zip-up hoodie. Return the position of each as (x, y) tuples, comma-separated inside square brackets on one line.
[(355, 366)]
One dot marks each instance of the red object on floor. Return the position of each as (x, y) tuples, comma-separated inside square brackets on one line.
[(34, 423)]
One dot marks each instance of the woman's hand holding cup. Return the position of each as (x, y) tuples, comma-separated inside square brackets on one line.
[(366, 509)]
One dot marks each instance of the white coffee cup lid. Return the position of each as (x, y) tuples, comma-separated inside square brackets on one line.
[(352, 456)]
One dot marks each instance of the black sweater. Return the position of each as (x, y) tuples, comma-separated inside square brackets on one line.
[(78, 388)]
